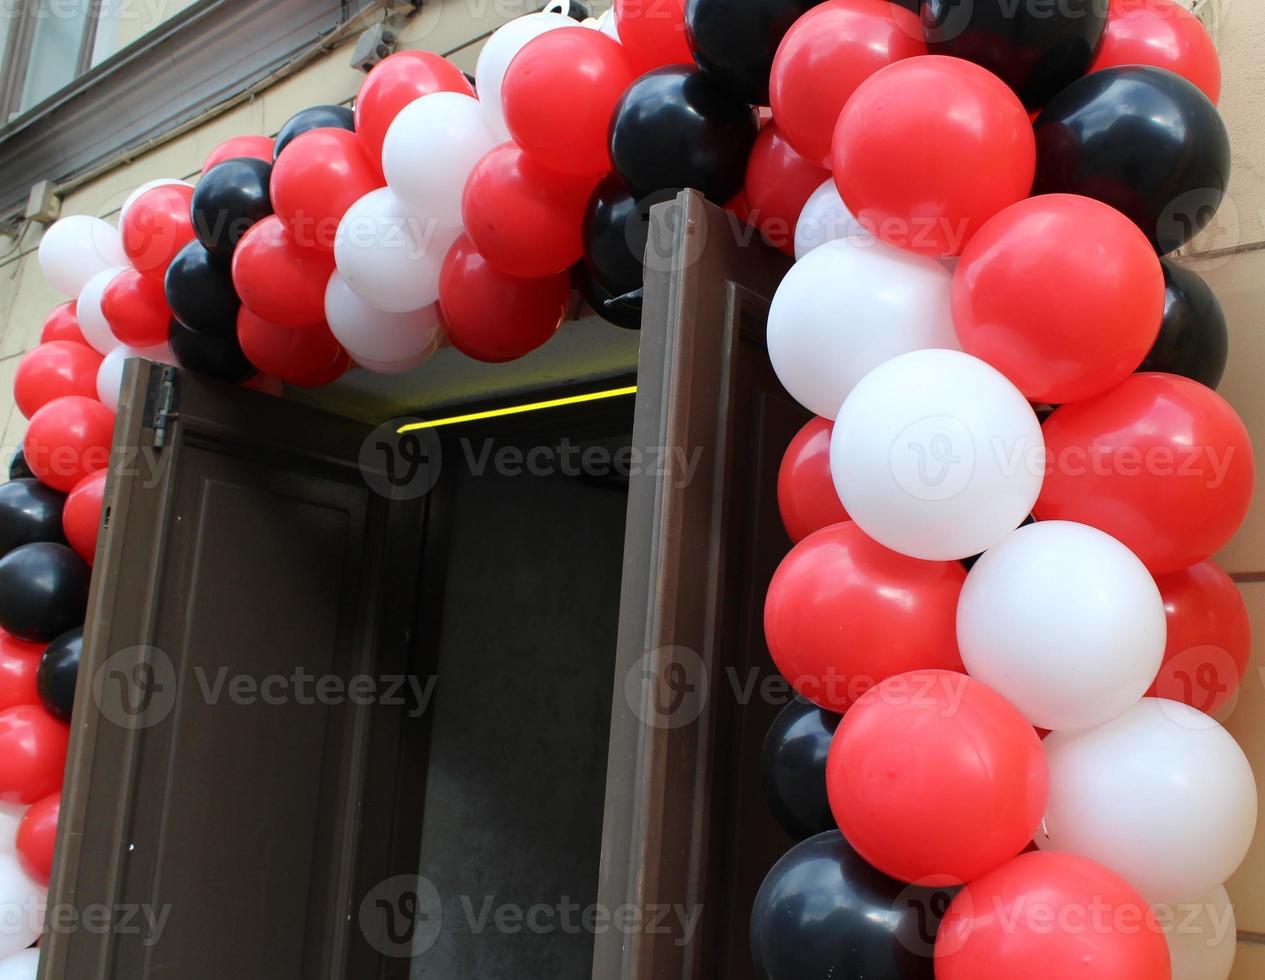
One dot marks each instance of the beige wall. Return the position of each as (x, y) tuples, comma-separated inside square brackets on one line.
[(1231, 255)]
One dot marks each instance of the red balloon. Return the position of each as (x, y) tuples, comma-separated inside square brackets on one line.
[(319, 175), (68, 439), (1209, 638), (843, 613), (62, 324), (930, 148), (822, 59), (54, 370), (81, 517), (257, 147), (937, 779), (492, 316), (1162, 34), (136, 308), (32, 754), (277, 279), (653, 33), (158, 224), (779, 183), (1062, 294), (19, 663), (37, 838), (524, 218), (394, 83), (1051, 916), (566, 134), (306, 358), (806, 494), (1159, 462)]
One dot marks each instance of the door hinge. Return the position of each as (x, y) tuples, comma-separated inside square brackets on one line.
[(160, 403)]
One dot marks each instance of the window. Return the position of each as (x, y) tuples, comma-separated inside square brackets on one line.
[(47, 44), (82, 81)]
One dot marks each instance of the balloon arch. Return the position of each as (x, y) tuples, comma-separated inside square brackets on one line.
[(1017, 620)]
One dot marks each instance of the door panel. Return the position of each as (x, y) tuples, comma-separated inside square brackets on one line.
[(226, 790), (687, 835)]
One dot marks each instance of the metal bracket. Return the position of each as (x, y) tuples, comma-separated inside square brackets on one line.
[(160, 404)]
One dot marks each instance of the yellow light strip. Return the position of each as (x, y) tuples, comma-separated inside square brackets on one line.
[(493, 413)]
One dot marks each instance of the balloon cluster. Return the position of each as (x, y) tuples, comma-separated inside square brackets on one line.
[(1000, 613), (1003, 512), (47, 541)]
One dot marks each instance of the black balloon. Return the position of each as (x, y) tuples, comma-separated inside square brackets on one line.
[(616, 232), (230, 198), (58, 672), (1037, 49), (793, 768), (43, 591), (17, 465), (1143, 140), (29, 512), (678, 127), (569, 8), (317, 117), (620, 310), (216, 356), (1194, 340), (200, 291), (824, 914), (736, 42)]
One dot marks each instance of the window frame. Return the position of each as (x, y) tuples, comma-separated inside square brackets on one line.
[(17, 56)]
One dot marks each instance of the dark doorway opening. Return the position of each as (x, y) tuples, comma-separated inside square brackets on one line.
[(522, 632)]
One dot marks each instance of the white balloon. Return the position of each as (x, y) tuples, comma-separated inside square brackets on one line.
[(825, 218), (847, 307), (75, 249), (390, 254), (20, 966), (1162, 795), (430, 149), (110, 373), (936, 455), (497, 54), (23, 902), (10, 816), (1065, 622), (607, 25), (1201, 936), (398, 340), (95, 327), (149, 185)]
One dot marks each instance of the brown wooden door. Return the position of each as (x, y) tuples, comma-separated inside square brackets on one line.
[(687, 835), (231, 796)]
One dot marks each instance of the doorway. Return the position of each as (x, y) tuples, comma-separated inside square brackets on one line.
[(523, 639), (592, 631)]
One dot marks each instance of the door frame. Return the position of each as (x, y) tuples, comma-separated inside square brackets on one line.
[(705, 272)]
